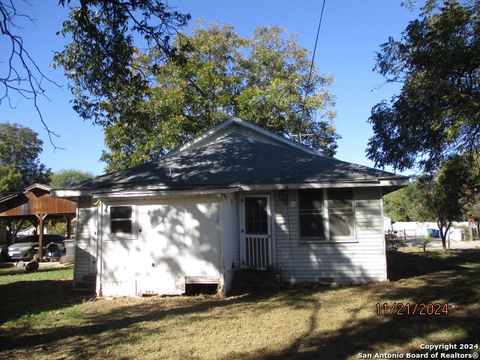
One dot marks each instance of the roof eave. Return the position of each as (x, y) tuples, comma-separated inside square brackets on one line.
[(9, 197), (323, 185), (392, 182), (69, 194), (157, 193)]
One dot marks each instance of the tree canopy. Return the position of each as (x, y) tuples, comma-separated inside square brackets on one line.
[(446, 194), (451, 194), (66, 178), (216, 75), (402, 205), (19, 163), (436, 114)]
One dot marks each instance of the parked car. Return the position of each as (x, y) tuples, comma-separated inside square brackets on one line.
[(24, 247)]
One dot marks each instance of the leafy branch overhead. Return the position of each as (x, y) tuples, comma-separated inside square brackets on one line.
[(101, 59), (436, 114), (105, 36), (19, 75), (217, 74)]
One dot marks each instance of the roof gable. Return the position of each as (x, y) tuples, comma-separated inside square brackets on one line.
[(235, 124)]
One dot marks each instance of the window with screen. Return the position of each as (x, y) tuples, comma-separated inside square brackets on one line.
[(256, 217), (121, 219), (341, 213), (311, 215)]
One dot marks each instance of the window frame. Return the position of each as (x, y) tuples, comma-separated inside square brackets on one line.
[(316, 239), (267, 213), (120, 235), (352, 237), (327, 238)]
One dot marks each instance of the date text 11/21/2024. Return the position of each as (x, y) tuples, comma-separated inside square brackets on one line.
[(408, 309)]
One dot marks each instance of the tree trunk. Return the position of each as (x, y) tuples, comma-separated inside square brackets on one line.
[(443, 234)]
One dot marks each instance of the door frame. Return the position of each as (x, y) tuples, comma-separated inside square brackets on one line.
[(270, 227)]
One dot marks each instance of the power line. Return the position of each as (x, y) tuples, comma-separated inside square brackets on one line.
[(316, 42), (311, 69)]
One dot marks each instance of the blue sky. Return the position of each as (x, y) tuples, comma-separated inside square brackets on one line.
[(351, 33)]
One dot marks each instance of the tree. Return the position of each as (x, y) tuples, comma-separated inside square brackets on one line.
[(437, 61), (21, 75), (445, 195), (66, 178), (262, 79), (99, 59), (19, 163), (102, 58), (402, 205), (472, 209), (473, 213), (10, 179)]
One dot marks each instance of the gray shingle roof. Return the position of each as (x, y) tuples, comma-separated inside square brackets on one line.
[(231, 160)]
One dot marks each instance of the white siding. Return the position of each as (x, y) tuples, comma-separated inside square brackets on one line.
[(357, 261), (174, 238), (85, 256)]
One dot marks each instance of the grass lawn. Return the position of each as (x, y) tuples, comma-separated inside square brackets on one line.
[(40, 317)]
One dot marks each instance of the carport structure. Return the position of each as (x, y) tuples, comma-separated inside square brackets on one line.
[(37, 205)]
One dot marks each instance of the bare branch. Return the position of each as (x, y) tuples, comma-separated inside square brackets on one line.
[(23, 77)]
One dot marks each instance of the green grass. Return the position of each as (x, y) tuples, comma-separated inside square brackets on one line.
[(303, 323), (25, 297)]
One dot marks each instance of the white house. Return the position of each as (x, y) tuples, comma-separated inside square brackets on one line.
[(236, 197)]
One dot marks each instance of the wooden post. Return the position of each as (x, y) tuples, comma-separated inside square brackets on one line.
[(40, 218), (69, 227)]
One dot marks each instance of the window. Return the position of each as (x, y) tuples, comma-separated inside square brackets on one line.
[(311, 216), (256, 215), (341, 213), (326, 215), (121, 219)]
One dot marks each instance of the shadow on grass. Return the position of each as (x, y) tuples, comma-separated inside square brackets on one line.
[(82, 341), (32, 293), (6, 264), (446, 278), (401, 265), (370, 335)]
